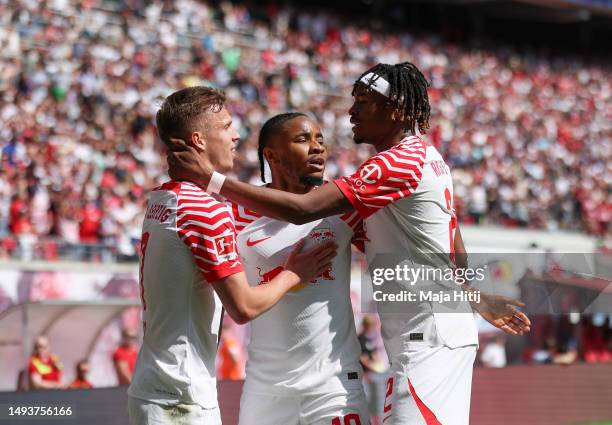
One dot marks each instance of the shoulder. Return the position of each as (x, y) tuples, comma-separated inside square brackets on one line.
[(411, 150)]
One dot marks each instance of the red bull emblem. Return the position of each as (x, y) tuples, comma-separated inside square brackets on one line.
[(326, 275), (322, 234), (268, 276)]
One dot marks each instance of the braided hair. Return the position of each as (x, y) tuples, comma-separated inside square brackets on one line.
[(269, 128), (407, 93)]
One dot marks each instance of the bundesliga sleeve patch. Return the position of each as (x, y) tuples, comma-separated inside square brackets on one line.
[(225, 247)]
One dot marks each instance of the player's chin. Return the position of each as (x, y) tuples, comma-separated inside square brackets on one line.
[(312, 179), (227, 165)]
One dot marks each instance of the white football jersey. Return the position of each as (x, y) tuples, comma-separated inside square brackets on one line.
[(405, 196), (309, 337), (188, 240)]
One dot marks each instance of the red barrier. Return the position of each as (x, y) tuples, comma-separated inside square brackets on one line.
[(525, 395)]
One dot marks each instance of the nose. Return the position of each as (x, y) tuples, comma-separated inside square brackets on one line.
[(316, 147), (351, 110), (236, 136)]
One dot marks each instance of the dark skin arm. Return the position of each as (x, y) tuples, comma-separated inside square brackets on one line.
[(328, 200), (460, 252), (500, 311)]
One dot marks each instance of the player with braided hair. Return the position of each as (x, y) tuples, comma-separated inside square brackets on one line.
[(404, 193)]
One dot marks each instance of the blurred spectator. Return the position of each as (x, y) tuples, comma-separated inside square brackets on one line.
[(494, 353), (44, 368), (81, 381), (528, 136), (124, 358), (230, 362), (373, 367), (594, 346)]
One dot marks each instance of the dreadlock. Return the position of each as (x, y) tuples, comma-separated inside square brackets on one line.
[(267, 130), (407, 93)]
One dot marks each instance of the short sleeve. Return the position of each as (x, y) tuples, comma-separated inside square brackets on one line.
[(355, 222), (206, 227), (384, 178)]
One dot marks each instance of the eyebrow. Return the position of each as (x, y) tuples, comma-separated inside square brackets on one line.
[(307, 133)]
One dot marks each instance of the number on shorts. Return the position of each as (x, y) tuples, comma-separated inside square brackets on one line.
[(350, 419), (388, 405)]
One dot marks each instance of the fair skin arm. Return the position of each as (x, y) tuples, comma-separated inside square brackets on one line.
[(244, 303), (37, 383), (123, 372)]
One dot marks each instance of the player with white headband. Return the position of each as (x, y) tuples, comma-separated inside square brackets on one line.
[(404, 193)]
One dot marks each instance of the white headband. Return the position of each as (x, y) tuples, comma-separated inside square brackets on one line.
[(381, 85)]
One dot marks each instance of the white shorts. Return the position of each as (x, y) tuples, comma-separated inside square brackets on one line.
[(342, 407), (430, 386), (146, 413)]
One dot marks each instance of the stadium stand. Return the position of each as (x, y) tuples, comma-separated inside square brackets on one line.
[(527, 135), (527, 132)]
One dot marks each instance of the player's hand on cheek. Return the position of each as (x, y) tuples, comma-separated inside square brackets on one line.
[(310, 264), (184, 163)]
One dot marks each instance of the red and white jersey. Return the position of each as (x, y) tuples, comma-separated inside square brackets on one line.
[(188, 240), (405, 196), (307, 341)]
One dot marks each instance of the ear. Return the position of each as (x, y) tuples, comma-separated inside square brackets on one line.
[(198, 141), (271, 156)]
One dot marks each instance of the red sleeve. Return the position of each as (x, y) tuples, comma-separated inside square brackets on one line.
[(355, 222), (206, 227), (384, 178)]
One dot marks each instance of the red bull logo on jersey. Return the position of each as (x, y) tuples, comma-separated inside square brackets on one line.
[(322, 234), (268, 276)]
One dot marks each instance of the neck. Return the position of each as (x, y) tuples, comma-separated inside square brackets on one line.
[(392, 139), (281, 183)]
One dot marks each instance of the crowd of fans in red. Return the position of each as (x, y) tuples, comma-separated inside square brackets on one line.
[(527, 136)]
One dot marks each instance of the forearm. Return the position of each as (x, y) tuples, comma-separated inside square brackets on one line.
[(40, 384), (325, 201), (123, 373), (467, 288), (461, 256), (245, 305), (273, 203)]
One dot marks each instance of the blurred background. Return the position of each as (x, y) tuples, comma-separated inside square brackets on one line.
[(521, 110)]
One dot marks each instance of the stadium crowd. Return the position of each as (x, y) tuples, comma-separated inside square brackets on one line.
[(527, 136)]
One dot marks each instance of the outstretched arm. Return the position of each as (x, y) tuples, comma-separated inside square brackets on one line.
[(502, 312), (328, 200)]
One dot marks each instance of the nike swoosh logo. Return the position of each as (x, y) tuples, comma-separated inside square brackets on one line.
[(252, 243)]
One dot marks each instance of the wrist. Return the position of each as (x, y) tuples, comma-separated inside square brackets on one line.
[(290, 277)]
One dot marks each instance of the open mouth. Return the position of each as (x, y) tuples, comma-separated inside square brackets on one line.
[(317, 162)]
